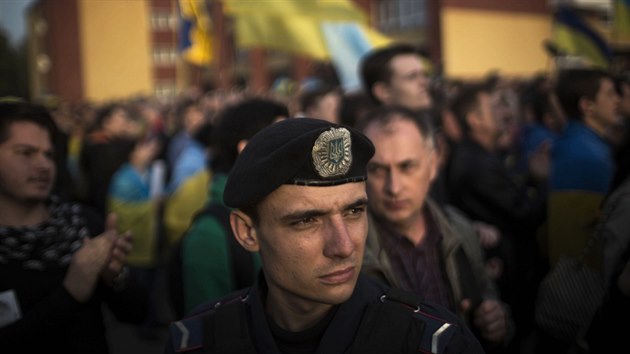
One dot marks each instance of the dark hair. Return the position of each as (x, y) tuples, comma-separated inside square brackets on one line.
[(310, 98), (534, 96), (103, 113), (575, 84), (238, 122), (386, 114), (375, 66), (205, 134), (353, 106), (183, 106), (19, 111), (252, 212), (466, 101)]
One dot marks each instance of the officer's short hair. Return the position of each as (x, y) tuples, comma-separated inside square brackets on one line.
[(299, 151)]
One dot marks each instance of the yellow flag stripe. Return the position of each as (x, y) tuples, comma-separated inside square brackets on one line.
[(331, 10), (575, 43)]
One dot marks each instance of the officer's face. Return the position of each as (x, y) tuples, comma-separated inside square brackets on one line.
[(311, 242)]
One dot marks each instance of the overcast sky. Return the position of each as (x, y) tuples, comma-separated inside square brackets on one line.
[(12, 18)]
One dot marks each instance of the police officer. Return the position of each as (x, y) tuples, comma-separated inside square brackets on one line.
[(299, 199)]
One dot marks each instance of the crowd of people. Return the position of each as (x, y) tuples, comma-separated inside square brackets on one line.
[(417, 214)]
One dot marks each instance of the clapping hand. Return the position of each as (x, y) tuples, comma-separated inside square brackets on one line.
[(104, 255)]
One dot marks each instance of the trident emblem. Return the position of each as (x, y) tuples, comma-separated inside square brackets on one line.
[(332, 153)]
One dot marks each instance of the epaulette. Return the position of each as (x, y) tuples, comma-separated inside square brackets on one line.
[(438, 333), (187, 334)]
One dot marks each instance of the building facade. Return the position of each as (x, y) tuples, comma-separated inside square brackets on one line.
[(103, 50)]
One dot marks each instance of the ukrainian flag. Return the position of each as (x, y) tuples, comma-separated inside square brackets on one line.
[(347, 43), (326, 30), (621, 21), (574, 36), (129, 198), (294, 26), (194, 32)]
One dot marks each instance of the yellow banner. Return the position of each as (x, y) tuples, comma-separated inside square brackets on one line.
[(330, 10)]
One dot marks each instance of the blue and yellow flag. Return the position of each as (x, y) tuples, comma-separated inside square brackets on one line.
[(574, 36), (129, 197), (293, 26), (332, 10), (327, 30), (621, 19), (347, 43), (194, 32)]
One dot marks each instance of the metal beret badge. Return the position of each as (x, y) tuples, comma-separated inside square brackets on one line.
[(332, 152)]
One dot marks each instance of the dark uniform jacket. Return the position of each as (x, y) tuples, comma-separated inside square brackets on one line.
[(374, 320)]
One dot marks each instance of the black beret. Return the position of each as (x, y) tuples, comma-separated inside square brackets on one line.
[(301, 151)]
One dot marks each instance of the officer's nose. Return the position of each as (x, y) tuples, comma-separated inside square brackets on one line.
[(338, 239)]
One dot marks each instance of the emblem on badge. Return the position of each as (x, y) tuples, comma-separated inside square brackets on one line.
[(332, 153)]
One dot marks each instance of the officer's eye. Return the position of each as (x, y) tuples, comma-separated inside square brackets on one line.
[(304, 221), (357, 210)]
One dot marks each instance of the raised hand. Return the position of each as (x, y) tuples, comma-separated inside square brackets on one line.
[(89, 261), (118, 258)]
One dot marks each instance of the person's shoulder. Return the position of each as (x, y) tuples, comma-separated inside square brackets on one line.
[(439, 330), (467, 155)]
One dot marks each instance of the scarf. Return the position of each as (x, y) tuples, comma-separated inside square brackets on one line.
[(49, 244)]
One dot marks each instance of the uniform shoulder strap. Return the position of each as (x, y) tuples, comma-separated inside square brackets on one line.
[(401, 322), (218, 327), (187, 334)]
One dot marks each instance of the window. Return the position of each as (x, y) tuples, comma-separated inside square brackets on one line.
[(165, 89), (164, 55), (399, 15), (163, 21)]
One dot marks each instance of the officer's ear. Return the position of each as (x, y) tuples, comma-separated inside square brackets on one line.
[(244, 230)]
